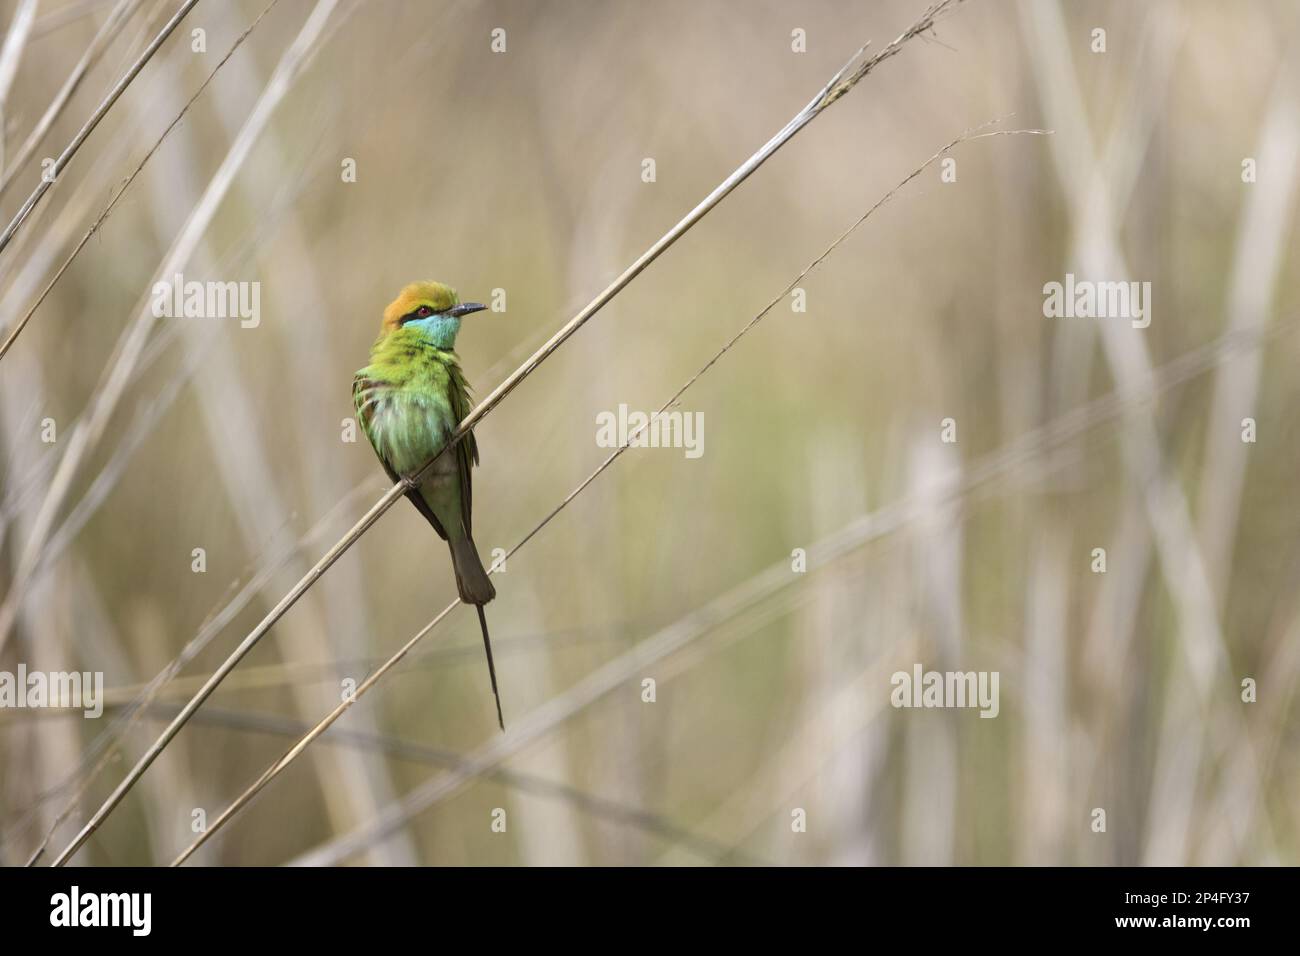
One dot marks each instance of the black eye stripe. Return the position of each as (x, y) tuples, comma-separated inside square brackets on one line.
[(415, 314)]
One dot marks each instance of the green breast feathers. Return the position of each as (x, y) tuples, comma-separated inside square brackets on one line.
[(409, 400)]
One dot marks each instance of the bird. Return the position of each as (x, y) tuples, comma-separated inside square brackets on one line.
[(410, 400)]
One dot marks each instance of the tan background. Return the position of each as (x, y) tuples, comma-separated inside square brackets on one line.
[(521, 171)]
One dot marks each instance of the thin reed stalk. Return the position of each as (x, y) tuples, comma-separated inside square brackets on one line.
[(117, 18), (126, 184), (48, 179)]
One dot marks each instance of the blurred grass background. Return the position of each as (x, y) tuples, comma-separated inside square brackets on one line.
[(522, 171)]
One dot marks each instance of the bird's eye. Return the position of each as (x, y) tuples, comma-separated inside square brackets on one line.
[(424, 311)]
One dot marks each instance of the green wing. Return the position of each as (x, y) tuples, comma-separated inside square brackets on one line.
[(467, 450)]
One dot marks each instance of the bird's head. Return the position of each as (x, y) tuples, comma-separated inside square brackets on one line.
[(432, 308)]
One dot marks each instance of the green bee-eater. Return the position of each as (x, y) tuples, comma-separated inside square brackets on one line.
[(410, 399)]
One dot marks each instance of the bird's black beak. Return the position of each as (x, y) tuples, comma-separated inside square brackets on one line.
[(465, 308)]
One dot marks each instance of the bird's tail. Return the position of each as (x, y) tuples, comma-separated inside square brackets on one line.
[(492, 668), (472, 581), (476, 588)]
